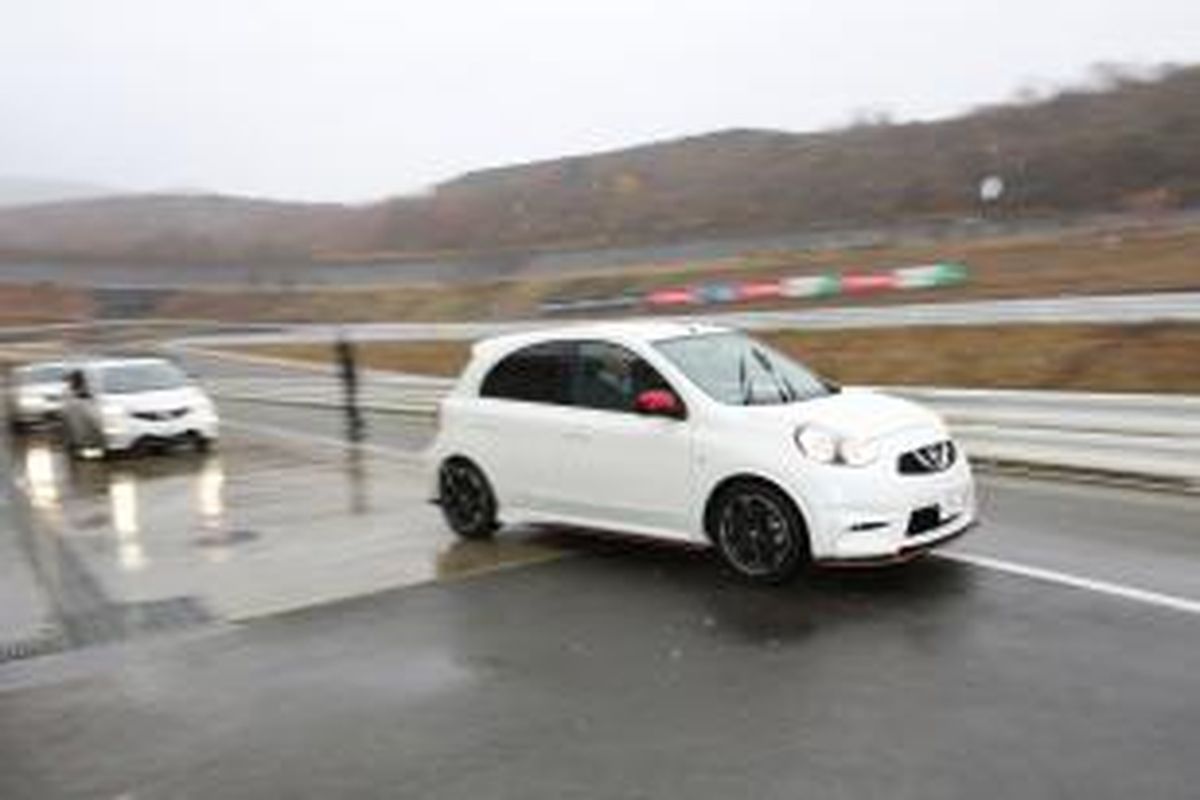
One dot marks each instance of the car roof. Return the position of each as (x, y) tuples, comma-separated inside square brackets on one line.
[(621, 331), (43, 364)]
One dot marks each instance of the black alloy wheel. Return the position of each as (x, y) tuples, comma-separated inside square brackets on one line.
[(466, 499), (759, 533)]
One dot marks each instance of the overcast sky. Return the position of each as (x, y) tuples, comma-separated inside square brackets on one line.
[(356, 99)]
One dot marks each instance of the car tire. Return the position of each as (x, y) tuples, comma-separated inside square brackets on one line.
[(466, 499), (759, 533)]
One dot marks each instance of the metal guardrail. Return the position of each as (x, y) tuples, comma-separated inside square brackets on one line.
[(1155, 436), (412, 394)]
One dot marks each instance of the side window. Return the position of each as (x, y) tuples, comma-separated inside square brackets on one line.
[(535, 374), (610, 377)]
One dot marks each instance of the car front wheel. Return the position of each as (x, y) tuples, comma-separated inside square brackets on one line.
[(466, 499), (759, 533)]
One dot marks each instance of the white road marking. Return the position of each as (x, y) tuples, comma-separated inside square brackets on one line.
[(1160, 599)]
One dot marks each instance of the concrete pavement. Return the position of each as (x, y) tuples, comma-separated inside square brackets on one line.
[(634, 672), (26, 615), (342, 644)]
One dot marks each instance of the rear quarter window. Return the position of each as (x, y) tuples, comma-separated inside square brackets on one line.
[(535, 374)]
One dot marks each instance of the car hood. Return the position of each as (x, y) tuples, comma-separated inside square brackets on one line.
[(165, 400), (855, 412)]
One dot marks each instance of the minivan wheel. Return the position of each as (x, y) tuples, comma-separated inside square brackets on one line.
[(466, 499), (759, 533)]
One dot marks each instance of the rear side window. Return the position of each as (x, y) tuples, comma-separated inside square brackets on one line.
[(535, 374)]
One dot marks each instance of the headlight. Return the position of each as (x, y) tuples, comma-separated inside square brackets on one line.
[(858, 452), (817, 444), (826, 447)]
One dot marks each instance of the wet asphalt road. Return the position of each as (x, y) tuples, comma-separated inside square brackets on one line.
[(349, 648)]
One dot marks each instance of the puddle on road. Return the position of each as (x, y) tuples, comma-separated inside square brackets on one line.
[(256, 527)]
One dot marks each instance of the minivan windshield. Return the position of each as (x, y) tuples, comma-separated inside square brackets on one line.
[(143, 376), (735, 369)]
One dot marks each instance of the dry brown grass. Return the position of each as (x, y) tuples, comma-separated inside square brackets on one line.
[(42, 303), (1155, 357), (1109, 358), (1132, 260), (442, 358)]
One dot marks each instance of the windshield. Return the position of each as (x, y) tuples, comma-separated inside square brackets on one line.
[(44, 373), (148, 376), (735, 369)]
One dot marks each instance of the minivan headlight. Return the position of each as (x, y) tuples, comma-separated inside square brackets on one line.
[(826, 447)]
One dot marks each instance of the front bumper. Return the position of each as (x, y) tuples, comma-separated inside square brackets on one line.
[(131, 432), (889, 516)]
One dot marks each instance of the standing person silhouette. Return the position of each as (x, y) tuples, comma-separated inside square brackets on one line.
[(347, 368)]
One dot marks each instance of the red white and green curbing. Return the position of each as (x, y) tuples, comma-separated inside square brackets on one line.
[(824, 285)]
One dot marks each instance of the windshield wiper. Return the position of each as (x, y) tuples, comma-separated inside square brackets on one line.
[(743, 385), (787, 392)]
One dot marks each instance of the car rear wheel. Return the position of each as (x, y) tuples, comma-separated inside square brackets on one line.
[(759, 533), (466, 499)]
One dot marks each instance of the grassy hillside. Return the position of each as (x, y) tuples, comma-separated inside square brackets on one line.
[(1129, 146), (166, 228)]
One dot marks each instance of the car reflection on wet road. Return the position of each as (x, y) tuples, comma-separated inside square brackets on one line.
[(263, 525)]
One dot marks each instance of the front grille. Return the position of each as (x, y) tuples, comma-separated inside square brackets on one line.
[(160, 416), (932, 458)]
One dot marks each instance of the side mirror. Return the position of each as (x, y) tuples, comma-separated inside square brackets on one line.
[(659, 403)]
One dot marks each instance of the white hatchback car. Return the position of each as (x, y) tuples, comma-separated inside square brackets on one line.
[(34, 394), (695, 433), (120, 404)]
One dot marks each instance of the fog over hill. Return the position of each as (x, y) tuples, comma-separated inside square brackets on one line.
[(1129, 145), (18, 190)]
